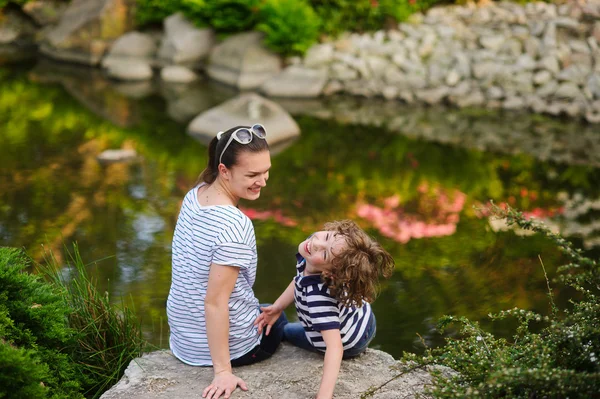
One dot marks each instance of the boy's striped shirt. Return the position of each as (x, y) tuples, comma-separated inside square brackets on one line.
[(318, 311), (205, 235)]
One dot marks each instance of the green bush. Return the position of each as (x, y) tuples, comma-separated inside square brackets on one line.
[(230, 16), (61, 339), (155, 11), (555, 356), (35, 339), (290, 26)]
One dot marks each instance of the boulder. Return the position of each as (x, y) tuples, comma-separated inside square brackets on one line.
[(291, 373), (296, 81), (177, 74), (45, 12), (15, 28), (245, 109), (242, 61), (183, 43), (131, 46), (129, 70), (86, 30), (319, 55)]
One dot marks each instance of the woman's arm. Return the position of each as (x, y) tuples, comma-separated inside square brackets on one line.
[(271, 313), (221, 281), (331, 365)]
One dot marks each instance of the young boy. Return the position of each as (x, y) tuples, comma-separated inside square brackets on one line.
[(338, 270)]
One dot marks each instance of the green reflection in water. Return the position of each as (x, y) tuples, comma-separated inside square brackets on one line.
[(54, 191)]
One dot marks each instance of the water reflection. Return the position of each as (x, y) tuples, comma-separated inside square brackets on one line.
[(403, 174)]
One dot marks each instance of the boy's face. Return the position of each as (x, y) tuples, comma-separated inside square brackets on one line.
[(320, 249)]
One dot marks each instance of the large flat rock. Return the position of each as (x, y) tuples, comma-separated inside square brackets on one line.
[(292, 373)]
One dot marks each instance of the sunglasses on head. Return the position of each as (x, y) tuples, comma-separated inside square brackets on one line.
[(243, 135)]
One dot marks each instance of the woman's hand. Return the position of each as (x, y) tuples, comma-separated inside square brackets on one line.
[(268, 317), (223, 383)]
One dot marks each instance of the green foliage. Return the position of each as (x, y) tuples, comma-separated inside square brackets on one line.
[(229, 16), (60, 340), (154, 11), (549, 356), (290, 26), (35, 339), (109, 336)]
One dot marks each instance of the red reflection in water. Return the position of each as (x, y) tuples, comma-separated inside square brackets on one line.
[(437, 215), (276, 215)]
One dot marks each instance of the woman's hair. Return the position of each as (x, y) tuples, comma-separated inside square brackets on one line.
[(356, 269), (230, 157)]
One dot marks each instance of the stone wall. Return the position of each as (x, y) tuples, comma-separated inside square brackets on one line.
[(544, 57)]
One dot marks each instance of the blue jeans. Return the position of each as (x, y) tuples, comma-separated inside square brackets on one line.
[(268, 344), (294, 334)]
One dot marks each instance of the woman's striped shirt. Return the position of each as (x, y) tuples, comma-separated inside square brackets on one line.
[(222, 235), (318, 311)]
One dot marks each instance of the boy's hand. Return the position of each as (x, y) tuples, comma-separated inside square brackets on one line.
[(268, 317)]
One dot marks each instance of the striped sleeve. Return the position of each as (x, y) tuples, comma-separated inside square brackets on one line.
[(322, 308), (233, 247)]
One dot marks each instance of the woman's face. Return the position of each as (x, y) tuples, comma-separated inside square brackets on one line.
[(250, 174)]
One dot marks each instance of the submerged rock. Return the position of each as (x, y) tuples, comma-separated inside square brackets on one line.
[(292, 373), (245, 109)]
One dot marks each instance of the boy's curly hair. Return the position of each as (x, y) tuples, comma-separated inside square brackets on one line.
[(355, 273)]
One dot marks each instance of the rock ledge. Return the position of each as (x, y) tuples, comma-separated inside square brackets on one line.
[(291, 373)]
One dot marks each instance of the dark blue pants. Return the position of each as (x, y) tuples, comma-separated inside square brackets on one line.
[(268, 344), (295, 334)]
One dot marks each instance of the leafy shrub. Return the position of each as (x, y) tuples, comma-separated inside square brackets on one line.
[(60, 340), (155, 11), (561, 360), (290, 26), (229, 16), (35, 339)]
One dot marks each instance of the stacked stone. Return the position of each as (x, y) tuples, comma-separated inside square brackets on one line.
[(544, 57)]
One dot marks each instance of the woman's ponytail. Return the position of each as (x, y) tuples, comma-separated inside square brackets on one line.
[(209, 174)]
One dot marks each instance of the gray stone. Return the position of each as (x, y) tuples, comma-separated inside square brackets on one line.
[(343, 72), (495, 93), (568, 91), (390, 92), (475, 98), (129, 70), (550, 63), (245, 109), (574, 73), (318, 55), (177, 74), (134, 44), (593, 85), (493, 43), (549, 39), (76, 38), (45, 12), (432, 96), (377, 65), (183, 43), (296, 81), (513, 103), (532, 46), (579, 46), (15, 28), (452, 78), (291, 374), (242, 61), (542, 77), (114, 156), (332, 87), (548, 89), (525, 63)]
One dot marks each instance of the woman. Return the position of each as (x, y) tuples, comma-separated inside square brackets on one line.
[(211, 306)]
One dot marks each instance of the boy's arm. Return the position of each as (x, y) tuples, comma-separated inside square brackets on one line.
[(271, 313), (331, 365)]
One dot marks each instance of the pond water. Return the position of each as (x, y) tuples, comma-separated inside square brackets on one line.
[(412, 177)]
